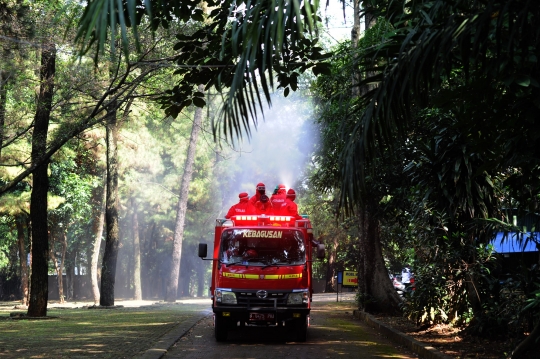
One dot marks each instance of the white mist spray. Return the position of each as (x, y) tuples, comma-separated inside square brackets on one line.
[(278, 148)]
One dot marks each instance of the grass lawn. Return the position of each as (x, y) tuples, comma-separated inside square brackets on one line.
[(82, 332)]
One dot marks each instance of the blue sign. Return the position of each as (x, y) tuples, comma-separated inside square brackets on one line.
[(339, 277)]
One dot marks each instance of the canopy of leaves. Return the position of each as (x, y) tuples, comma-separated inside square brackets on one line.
[(494, 45), (241, 45)]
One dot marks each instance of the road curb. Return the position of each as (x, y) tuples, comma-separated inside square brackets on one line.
[(166, 341), (423, 350)]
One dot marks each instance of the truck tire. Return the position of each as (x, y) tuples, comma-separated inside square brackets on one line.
[(220, 328), (301, 330)]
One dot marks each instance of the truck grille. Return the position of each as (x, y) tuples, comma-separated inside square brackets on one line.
[(249, 299)]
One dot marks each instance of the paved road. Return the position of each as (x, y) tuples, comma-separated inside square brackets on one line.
[(333, 333)]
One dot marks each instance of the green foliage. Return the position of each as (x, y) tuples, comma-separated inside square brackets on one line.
[(509, 306), (340, 236), (446, 284), (74, 186), (7, 241), (443, 142), (414, 69), (239, 47)]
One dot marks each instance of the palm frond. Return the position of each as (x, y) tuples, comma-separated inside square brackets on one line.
[(256, 37), (489, 39)]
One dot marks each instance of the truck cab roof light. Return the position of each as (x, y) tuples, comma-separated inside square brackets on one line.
[(261, 220), (280, 218), (245, 218)]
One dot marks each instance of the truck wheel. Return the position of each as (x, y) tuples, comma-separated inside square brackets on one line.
[(220, 328), (301, 330)]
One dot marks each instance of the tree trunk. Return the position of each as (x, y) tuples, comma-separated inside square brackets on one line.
[(97, 231), (108, 267), (172, 282), (40, 185), (155, 286), (29, 240), (369, 17), (22, 257), (361, 259), (59, 278), (3, 102), (378, 293), (355, 36), (58, 262), (331, 266), (137, 295), (369, 21), (70, 263), (60, 270)]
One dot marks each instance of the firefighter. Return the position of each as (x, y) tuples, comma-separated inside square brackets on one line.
[(250, 253), (264, 206), (242, 207), (290, 208), (278, 199), (259, 190)]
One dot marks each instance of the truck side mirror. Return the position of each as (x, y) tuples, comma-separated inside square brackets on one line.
[(203, 250), (320, 251)]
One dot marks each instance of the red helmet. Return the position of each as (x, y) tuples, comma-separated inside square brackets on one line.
[(243, 195), (291, 194)]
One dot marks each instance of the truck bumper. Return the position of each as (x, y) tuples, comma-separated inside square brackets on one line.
[(281, 316)]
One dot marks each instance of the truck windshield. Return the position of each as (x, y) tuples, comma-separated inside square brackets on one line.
[(262, 247)]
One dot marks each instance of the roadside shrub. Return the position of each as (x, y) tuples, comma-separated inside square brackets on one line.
[(511, 306), (448, 287)]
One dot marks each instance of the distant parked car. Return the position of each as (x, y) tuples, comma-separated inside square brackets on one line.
[(400, 287)]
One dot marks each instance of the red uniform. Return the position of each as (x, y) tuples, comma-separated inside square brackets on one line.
[(259, 190), (264, 206), (290, 208), (278, 199), (242, 207)]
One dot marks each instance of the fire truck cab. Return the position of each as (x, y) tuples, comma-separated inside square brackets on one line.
[(262, 273)]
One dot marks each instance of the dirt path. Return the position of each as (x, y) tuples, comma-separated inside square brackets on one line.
[(334, 332)]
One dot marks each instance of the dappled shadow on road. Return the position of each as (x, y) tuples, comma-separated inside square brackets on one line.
[(334, 332)]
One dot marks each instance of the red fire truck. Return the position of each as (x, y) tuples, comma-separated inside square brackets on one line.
[(262, 273)]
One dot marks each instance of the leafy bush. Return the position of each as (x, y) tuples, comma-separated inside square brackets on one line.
[(449, 287), (510, 306)]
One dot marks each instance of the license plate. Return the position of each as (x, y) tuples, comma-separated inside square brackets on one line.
[(261, 316)]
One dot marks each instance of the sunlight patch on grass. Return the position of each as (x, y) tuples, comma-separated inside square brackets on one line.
[(81, 332)]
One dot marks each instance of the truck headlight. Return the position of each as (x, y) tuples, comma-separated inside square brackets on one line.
[(225, 297), (298, 297)]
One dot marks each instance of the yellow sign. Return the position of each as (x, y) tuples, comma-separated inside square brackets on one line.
[(350, 279)]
